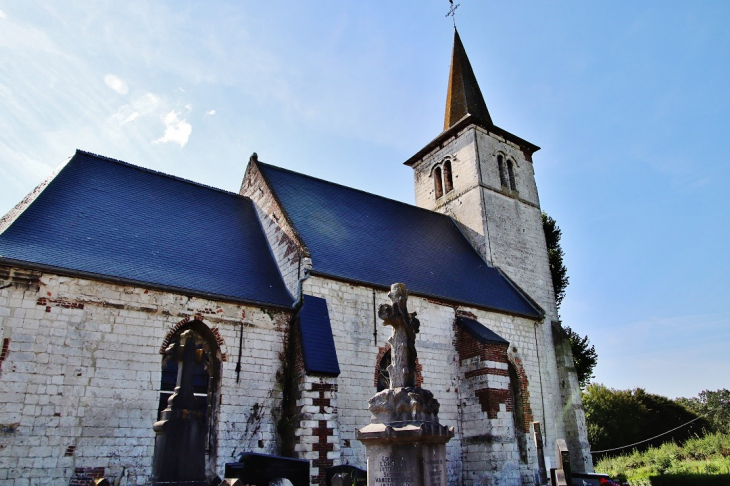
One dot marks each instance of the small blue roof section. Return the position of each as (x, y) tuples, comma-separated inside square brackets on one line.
[(106, 218), (357, 236), (479, 331), (318, 344)]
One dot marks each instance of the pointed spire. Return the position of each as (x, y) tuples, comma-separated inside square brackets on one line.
[(463, 96)]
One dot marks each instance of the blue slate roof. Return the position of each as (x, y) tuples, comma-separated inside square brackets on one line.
[(101, 217), (357, 236), (318, 344), (479, 331)]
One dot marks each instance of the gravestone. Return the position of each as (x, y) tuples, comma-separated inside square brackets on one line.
[(562, 475), (405, 443), (541, 471), (346, 475), (260, 469), (180, 433)]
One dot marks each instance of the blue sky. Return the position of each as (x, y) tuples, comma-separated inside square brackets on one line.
[(628, 100)]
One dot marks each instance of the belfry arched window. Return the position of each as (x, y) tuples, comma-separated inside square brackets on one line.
[(438, 182), (502, 173), (511, 171), (448, 181)]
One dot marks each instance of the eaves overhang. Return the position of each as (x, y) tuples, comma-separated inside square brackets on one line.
[(463, 123), (537, 316), (138, 283)]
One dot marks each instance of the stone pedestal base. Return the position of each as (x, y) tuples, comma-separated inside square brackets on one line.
[(406, 454)]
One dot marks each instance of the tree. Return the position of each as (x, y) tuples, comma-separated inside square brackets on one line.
[(714, 405), (621, 417), (585, 358), (555, 257)]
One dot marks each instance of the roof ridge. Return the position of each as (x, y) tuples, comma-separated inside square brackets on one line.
[(157, 172), (354, 189)]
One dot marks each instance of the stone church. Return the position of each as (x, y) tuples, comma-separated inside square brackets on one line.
[(105, 264)]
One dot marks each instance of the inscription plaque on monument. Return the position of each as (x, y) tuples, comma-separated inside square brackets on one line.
[(405, 443)]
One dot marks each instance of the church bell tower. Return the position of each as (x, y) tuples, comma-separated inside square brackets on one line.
[(482, 176)]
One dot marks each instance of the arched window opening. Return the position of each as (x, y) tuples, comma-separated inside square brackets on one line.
[(383, 373), (448, 181), (206, 371), (502, 174), (438, 183), (518, 412), (511, 169)]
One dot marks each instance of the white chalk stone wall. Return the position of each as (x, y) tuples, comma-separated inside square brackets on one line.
[(576, 431), (464, 202), (80, 374), (353, 312)]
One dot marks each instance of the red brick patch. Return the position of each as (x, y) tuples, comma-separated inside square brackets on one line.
[(322, 432), (381, 353), (491, 398), (197, 317), (58, 303), (4, 352)]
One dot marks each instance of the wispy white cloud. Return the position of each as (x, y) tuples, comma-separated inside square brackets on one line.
[(210, 112), (146, 110), (178, 130), (146, 104), (115, 83), (19, 37)]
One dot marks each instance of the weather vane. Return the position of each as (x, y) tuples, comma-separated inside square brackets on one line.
[(452, 11)]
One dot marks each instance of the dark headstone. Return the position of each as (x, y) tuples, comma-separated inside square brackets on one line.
[(541, 472), (260, 469), (557, 477), (346, 476), (180, 433), (563, 455)]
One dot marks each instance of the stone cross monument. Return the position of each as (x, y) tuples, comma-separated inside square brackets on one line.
[(402, 368), (405, 444)]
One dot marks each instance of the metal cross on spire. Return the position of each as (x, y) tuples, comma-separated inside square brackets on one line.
[(452, 11)]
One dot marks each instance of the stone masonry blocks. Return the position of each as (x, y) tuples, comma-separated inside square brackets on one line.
[(81, 372)]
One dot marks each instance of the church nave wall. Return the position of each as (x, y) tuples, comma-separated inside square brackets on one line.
[(481, 437), (79, 382)]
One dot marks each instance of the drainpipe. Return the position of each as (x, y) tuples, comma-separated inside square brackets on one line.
[(307, 270)]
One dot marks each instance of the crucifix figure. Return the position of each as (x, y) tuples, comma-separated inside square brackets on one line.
[(402, 368)]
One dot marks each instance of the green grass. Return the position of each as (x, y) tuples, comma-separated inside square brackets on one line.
[(697, 457)]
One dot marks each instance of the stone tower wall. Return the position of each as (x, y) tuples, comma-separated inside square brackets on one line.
[(463, 203), (505, 226)]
